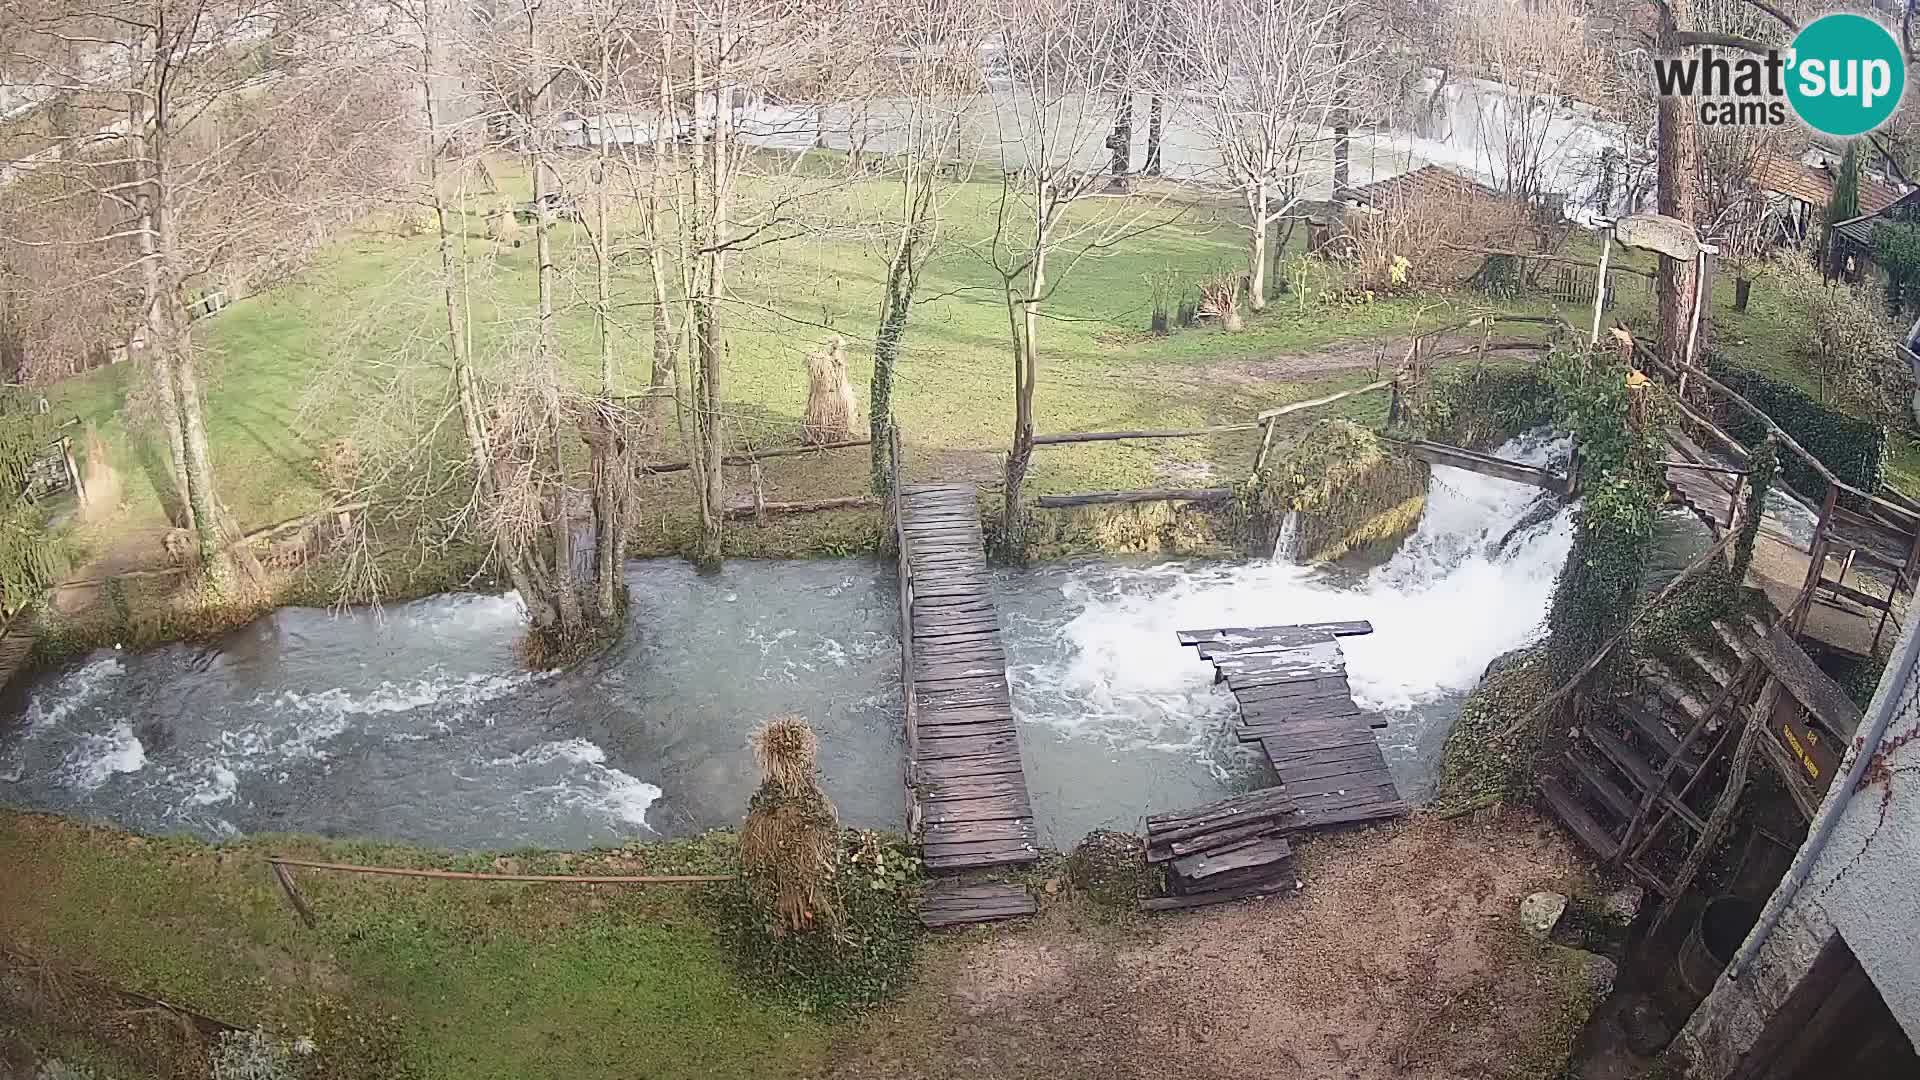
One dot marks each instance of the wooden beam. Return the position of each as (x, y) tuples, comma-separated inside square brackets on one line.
[(748, 459), (1452, 456), (849, 502), (1116, 436), (1314, 403)]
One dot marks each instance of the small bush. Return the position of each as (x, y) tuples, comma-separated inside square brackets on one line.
[(1111, 869), (1846, 345), (860, 961)]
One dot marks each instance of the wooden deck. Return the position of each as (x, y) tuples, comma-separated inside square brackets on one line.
[(967, 788), (953, 902), (1291, 683), (1849, 610)]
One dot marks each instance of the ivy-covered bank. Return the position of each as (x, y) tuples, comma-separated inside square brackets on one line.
[(410, 978), (1616, 417)]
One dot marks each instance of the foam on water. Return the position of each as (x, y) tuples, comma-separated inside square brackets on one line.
[(74, 691), (95, 759), (1458, 593), (573, 774)]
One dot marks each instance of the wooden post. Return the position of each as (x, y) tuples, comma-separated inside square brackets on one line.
[(300, 908), (759, 494), (1816, 560), (1266, 441), (1733, 504), (1600, 289)]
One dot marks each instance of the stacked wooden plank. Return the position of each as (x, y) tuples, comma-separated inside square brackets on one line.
[(964, 758), (952, 902), (1229, 850), (1291, 683)]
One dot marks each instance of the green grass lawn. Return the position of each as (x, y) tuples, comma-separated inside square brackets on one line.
[(401, 977), (298, 367)]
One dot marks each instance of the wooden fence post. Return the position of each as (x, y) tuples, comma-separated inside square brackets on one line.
[(300, 908), (759, 494), (1266, 441)]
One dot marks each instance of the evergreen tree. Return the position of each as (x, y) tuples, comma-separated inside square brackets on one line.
[(1846, 189)]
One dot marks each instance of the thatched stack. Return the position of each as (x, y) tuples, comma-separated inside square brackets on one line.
[(789, 844), (831, 406)]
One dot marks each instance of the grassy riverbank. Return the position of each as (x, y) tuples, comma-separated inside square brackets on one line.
[(401, 977), (294, 371)]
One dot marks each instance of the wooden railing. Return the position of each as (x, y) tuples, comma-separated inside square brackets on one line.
[(905, 564), (1884, 513)]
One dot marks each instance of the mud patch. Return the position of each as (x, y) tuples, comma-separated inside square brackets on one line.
[(1402, 957)]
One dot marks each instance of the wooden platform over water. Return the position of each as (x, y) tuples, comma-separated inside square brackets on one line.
[(1291, 683), (969, 791)]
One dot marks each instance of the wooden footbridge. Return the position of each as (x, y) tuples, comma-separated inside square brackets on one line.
[(1291, 684), (966, 788)]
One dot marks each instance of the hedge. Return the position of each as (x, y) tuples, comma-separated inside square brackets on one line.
[(1854, 449)]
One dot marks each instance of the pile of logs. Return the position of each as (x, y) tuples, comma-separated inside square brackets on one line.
[(1229, 850)]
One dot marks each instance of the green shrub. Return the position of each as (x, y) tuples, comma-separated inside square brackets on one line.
[(1351, 488), (1479, 406), (1854, 449), (862, 959)]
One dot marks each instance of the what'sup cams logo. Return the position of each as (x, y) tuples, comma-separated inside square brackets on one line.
[(1842, 76)]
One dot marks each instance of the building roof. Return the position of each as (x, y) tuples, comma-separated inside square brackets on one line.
[(1435, 182), (1859, 230), (1813, 185)]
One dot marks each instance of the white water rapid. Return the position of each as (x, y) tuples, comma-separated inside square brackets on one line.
[(1100, 661)]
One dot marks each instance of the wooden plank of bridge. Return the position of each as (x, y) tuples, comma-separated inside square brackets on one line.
[(1291, 684), (966, 763)]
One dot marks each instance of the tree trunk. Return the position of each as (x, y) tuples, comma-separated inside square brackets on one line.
[(606, 449), (1153, 136), (1257, 248), (709, 346), (473, 417), (1025, 318), (1676, 162), (1120, 144), (158, 334), (1342, 134), (1742, 291), (886, 354)]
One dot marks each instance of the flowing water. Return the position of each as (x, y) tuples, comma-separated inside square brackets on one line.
[(420, 726)]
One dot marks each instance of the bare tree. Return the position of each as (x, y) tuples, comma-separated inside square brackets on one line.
[(213, 144), (1065, 61), (929, 74), (1540, 60), (1262, 80)]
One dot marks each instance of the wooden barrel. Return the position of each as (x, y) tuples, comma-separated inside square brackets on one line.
[(1723, 924)]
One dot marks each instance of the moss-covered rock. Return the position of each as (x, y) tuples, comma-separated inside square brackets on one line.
[(1210, 530), (1352, 491), (1111, 869)]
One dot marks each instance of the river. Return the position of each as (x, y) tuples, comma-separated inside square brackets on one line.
[(415, 724)]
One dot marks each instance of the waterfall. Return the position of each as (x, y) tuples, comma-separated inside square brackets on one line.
[(1457, 593), (1286, 546)]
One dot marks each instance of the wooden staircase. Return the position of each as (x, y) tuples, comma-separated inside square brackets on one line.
[(1639, 769)]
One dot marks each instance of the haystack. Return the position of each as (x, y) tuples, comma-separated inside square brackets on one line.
[(831, 408), (790, 843)]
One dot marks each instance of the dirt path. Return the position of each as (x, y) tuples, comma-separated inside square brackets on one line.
[(1401, 958), (1362, 353)]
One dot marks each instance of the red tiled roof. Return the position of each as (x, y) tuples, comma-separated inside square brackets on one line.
[(1427, 182), (1814, 186)]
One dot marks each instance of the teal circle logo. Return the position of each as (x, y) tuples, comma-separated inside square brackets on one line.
[(1846, 74)]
